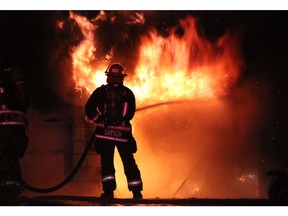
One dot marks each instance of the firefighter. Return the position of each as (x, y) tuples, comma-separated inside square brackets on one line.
[(14, 101), (112, 106)]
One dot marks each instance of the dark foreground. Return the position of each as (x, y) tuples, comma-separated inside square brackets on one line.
[(96, 201)]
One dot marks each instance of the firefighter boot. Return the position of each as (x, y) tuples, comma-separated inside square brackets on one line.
[(107, 195), (137, 194)]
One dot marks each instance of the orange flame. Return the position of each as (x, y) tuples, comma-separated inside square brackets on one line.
[(84, 74), (184, 67), (176, 67)]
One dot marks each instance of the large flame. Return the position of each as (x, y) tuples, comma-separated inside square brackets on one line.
[(176, 67), (183, 67), (180, 66)]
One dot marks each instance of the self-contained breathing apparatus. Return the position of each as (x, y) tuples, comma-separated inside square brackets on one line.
[(112, 125), (111, 121)]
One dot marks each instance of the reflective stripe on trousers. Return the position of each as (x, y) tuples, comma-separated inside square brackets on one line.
[(134, 183), (108, 178)]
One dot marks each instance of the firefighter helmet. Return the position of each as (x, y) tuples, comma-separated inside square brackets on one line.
[(116, 70)]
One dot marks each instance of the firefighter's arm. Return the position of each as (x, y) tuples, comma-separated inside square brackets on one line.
[(92, 105), (129, 106)]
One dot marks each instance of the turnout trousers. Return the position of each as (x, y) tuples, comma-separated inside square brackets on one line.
[(131, 170), (13, 143)]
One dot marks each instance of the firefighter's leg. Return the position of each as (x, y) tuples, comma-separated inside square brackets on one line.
[(9, 174), (131, 170), (108, 170)]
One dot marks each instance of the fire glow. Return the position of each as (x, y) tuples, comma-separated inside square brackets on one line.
[(177, 67)]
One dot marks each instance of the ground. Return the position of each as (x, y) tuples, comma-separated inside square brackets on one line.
[(96, 201)]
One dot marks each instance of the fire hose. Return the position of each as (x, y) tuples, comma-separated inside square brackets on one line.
[(81, 160), (61, 184)]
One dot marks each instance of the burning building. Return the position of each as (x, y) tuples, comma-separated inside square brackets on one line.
[(199, 121)]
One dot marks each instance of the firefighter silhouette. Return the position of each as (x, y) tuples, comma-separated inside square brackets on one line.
[(112, 106), (14, 101)]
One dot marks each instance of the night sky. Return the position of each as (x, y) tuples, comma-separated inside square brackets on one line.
[(31, 40)]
